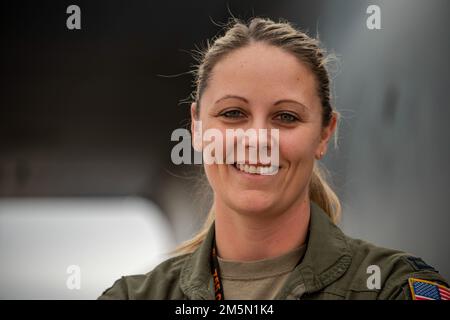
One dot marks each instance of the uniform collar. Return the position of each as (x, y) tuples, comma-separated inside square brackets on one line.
[(326, 259), (195, 279)]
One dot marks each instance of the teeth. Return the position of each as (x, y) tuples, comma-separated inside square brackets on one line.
[(262, 170)]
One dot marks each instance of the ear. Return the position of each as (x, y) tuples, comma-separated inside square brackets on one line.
[(326, 135), (196, 129)]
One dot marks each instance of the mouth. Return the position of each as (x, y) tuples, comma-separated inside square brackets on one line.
[(264, 170)]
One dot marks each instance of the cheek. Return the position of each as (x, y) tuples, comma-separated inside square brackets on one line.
[(216, 173), (297, 146), (213, 176)]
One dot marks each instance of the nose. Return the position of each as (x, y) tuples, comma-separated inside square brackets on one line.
[(259, 140), (261, 126)]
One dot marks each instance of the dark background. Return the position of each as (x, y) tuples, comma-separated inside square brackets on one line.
[(89, 113)]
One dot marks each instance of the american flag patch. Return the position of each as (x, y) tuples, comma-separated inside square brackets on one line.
[(428, 290)]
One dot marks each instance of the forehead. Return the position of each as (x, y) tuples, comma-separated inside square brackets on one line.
[(262, 72)]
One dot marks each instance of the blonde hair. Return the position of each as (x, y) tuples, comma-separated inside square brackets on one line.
[(307, 50)]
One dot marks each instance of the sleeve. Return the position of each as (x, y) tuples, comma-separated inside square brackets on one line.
[(408, 270), (402, 293), (118, 291)]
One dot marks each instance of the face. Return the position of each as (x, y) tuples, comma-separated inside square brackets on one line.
[(263, 87)]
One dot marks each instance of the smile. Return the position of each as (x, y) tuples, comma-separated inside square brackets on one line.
[(256, 169)]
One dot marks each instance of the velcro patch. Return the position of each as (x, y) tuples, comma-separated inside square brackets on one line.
[(428, 290), (418, 264)]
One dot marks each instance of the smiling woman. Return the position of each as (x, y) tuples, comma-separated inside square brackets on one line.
[(273, 236)]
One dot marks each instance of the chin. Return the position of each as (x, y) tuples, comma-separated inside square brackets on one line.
[(252, 202)]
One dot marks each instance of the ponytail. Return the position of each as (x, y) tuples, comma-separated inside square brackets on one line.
[(321, 193)]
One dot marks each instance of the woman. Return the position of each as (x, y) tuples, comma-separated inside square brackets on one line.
[(273, 236)]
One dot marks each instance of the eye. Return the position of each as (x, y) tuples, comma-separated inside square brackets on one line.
[(287, 117), (232, 114)]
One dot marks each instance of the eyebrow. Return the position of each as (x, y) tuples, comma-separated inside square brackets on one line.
[(291, 101), (231, 96)]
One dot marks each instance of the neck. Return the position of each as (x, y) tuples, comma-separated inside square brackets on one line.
[(246, 238)]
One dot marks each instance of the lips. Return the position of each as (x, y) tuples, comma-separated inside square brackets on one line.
[(256, 169)]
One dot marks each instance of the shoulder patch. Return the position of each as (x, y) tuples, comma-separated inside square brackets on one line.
[(418, 264), (427, 290)]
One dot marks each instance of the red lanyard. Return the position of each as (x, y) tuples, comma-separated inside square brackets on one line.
[(215, 271)]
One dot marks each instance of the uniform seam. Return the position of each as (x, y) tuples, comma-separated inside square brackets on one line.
[(342, 295)]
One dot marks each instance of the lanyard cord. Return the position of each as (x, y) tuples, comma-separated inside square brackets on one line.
[(215, 271), (218, 288)]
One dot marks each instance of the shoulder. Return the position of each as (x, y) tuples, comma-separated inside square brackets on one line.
[(160, 283), (387, 273)]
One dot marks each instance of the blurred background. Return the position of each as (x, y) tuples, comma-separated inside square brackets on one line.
[(86, 118)]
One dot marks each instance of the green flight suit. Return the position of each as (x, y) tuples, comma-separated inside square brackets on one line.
[(334, 266)]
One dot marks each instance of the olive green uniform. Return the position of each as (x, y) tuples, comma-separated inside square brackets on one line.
[(334, 266)]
